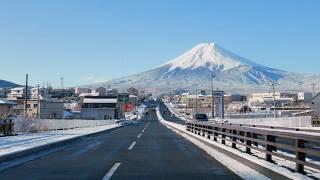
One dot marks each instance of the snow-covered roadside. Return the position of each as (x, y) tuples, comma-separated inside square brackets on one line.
[(22, 142), (237, 167), (170, 107), (139, 113)]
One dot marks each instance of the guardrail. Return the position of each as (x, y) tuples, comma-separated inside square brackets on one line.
[(271, 142), (6, 127)]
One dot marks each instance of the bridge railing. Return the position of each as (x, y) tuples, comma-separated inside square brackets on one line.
[(288, 144)]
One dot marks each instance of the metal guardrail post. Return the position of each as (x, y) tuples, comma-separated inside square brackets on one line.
[(248, 143), (255, 136), (223, 136), (234, 139), (300, 156), (215, 134), (269, 148)]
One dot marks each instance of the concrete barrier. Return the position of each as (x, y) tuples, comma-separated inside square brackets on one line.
[(289, 122)]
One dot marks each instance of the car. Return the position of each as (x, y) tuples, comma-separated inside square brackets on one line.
[(200, 117)]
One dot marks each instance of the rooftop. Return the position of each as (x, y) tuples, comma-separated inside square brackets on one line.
[(7, 102)]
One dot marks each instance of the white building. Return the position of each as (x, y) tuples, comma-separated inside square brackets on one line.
[(305, 97), (17, 93), (258, 99), (99, 108), (43, 93)]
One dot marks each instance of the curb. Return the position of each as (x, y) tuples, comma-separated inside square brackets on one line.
[(27, 152)]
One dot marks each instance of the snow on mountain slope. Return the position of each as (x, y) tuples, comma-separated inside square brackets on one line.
[(196, 66), (209, 55)]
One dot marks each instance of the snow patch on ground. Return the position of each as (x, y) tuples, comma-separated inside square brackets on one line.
[(25, 141)]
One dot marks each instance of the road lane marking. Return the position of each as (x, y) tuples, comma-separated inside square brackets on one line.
[(139, 135), (132, 145), (111, 171)]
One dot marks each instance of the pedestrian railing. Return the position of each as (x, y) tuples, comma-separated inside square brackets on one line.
[(6, 127), (301, 148)]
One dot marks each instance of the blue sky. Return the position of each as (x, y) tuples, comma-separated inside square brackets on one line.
[(96, 40)]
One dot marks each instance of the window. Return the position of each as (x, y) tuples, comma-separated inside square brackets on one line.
[(35, 105)]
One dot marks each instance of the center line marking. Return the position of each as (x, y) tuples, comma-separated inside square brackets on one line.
[(139, 135), (132, 145), (111, 171)]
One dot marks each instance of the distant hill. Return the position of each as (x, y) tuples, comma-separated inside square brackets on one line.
[(4, 83)]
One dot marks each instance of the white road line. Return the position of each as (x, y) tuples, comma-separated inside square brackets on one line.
[(111, 171), (139, 135), (132, 145)]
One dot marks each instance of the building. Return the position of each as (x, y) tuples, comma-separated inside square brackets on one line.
[(82, 90), (305, 97), (315, 106), (4, 92), (133, 91), (267, 99), (47, 109), (99, 108), (101, 91), (6, 107), (112, 92), (17, 93), (43, 93), (61, 93)]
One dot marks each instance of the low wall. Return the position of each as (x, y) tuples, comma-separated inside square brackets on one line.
[(21, 125), (303, 121)]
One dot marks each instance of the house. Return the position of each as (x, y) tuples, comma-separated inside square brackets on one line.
[(45, 109), (315, 106), (99, 108), (17, 93), (6, 106), (4, 92), (101, 91), (133, 91), (112, 92), (43, 93)]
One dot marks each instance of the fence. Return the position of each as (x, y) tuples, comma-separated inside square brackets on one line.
[(303, 121), (271, 142)]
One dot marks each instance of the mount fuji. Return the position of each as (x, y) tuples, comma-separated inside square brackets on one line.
[(229, 71)]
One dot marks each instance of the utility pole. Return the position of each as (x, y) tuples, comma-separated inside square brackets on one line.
[(274, 99), (313, 89), (212, 95), (196, 98), (26, 97), (38, 103)]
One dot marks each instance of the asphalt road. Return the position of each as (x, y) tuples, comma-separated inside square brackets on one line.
[(144, 151)]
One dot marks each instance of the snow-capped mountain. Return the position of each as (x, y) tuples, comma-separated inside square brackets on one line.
[(229, 71)]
